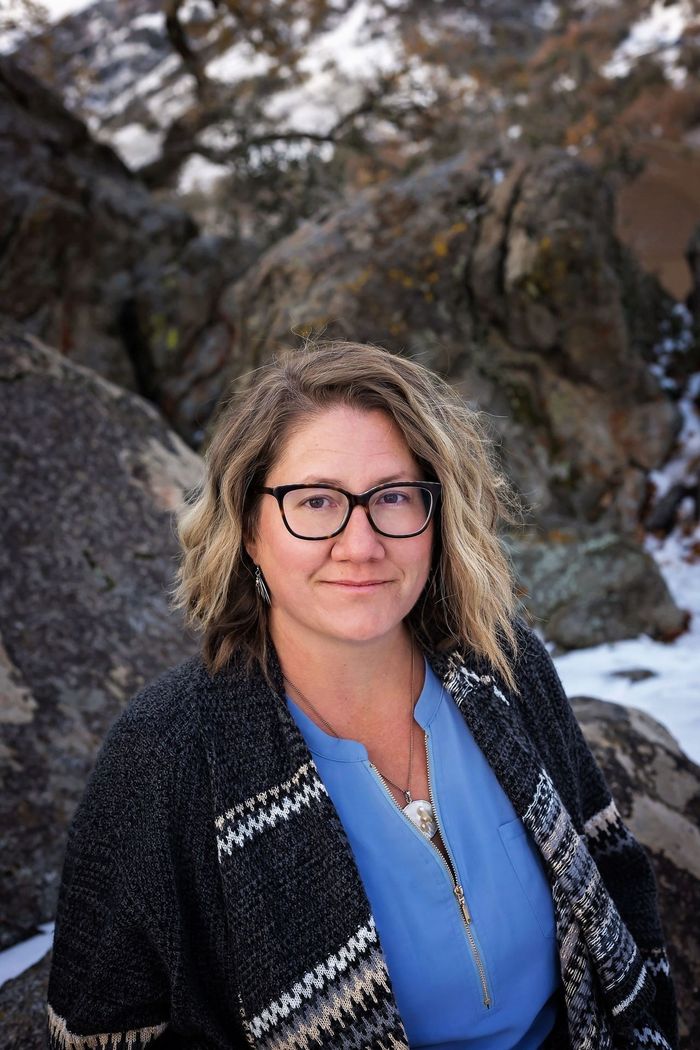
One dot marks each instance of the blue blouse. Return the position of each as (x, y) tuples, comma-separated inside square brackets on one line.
[(464, 978)]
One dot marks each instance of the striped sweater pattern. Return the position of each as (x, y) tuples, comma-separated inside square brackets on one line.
[(210, 900)]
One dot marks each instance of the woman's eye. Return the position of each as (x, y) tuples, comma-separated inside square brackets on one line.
[(393, 498), (317, 502)]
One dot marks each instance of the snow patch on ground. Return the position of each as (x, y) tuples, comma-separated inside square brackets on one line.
[(672, 694), (18, 958)]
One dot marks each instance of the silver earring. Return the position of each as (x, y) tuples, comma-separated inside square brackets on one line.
[(261, 586)]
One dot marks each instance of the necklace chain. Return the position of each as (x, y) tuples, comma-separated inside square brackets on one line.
[(406, 792)]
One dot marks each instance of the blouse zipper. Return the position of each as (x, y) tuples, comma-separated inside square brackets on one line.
[(451, 870), (458, 891)]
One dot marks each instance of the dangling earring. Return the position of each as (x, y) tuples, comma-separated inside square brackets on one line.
[(261, 586)]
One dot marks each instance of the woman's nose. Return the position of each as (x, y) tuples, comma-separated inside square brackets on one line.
[(358, 539)]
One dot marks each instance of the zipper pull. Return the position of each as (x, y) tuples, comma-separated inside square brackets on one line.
[(459, 894)]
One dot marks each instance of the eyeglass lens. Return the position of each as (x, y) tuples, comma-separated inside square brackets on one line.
[(313, 513)]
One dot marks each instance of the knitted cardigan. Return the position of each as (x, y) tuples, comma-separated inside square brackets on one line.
[(210, 899)]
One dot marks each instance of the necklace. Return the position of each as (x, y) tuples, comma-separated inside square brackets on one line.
[(419, 811)]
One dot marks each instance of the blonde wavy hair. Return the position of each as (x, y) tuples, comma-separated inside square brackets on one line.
[(469, 599)]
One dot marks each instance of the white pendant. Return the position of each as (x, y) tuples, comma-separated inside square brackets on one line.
[(420, 813)]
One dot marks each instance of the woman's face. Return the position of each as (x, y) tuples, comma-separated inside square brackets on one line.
[(357, 586)]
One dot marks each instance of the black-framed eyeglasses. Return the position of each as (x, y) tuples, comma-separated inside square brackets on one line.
[(319, 512)]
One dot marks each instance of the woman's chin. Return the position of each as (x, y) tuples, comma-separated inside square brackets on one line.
[(362, 630)]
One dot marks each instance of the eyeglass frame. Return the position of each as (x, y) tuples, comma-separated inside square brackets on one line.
[(360, 499)]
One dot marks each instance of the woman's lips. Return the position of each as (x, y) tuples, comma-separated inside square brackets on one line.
[(356, 585)]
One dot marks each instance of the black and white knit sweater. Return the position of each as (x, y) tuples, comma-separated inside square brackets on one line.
[(210, 899)]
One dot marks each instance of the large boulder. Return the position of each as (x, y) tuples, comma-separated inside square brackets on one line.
[(23, 1008), (92, 264), (177, 334), (657, 790), (591, 589), (90, 477), (506, 277)]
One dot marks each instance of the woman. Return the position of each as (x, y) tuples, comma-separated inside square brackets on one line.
[(365, 816)]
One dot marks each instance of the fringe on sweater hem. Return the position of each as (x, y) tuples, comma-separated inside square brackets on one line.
[(60, 1038)]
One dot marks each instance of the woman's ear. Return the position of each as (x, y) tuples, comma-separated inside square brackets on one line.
[(249, 529), (251, 548)]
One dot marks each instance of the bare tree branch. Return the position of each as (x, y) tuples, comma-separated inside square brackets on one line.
[(178, 39)]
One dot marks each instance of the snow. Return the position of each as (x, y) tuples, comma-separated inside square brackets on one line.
[(337, 70), (564, 82), (148, 84), (136, 145), (657, 33), (149, 20), (222, 136), (170, 102), (422, 85), (193, 10), (237, 63), (672, 694), (11, 39), (58, 9), (546, 15), (18, 958), (54, 10), (24, 22), (675, 73), (347, 45), (198, 174)]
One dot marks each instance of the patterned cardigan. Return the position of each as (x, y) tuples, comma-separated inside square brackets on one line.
[(210, 900)]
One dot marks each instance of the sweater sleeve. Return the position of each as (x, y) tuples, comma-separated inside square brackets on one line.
[(108, 987), (623, 863)]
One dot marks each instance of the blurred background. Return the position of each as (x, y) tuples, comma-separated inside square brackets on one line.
[(508, 192)]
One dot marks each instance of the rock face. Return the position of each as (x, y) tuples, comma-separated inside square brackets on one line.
[(509, 280), (657, 790), (23, 1008), (596, 589), (93, 265), (178, 335), (90, 476)]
